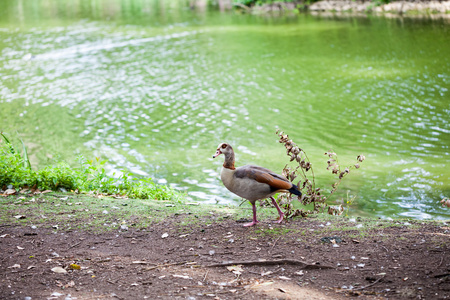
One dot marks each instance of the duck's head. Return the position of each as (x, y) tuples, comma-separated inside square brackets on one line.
[(223, 148)]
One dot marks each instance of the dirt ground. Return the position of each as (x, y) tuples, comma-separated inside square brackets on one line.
[(409, 259)]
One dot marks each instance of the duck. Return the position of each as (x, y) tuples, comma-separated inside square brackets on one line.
[(253, 182)]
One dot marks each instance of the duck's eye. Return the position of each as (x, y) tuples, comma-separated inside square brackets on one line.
[(224, 146)]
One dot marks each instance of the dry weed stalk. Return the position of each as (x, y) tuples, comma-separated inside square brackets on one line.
[(311, 193)]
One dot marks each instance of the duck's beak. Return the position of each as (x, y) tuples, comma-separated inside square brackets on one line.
[(218, 152)]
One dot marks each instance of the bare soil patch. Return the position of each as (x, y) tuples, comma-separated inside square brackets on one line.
[(402, 259)]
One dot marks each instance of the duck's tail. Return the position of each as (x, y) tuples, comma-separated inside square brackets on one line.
[(294, 190)]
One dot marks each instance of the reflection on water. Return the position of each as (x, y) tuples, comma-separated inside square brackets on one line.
[(155, 87)]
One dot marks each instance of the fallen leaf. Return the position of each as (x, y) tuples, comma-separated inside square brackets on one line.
[(266, 273), (4, 235), (282, 290), (59, 270), (141, 262), (181, 276), (284, 277), (10, 192), (56, 294), (300, 273), (70, 284), (31, 267), (20, 248), (236, 269), (16, 266), (18, 217), (46, 191), (74, 267), (164, 235)]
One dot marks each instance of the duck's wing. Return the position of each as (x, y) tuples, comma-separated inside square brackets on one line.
[(263, 175)]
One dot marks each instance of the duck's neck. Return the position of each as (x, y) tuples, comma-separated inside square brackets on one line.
[(229, 161)]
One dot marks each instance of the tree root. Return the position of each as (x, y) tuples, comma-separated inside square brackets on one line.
[(303, 265)]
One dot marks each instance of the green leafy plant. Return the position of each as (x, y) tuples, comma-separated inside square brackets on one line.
[(90, 176), (312, 195)]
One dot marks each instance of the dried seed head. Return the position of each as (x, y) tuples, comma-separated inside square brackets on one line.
[(357, 166), (361, 158)]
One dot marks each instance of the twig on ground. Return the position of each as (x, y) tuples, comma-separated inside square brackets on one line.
[(166, 265), (442, 260), (74, 245), (369, 285), (303, 265), (274, 244)]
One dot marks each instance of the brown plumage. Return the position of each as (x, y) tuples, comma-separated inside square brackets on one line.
[(253, 182)]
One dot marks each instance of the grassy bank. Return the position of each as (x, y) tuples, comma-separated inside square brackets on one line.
[(98, 213)]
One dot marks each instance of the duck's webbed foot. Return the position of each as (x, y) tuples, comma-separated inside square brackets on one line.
[(253, 223)]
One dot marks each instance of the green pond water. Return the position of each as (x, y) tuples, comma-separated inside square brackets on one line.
[(154, 87)]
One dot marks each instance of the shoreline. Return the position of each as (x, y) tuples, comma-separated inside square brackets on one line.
[(396, 8)]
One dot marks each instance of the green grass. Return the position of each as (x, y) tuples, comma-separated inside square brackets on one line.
[(86, 211), (70, 211)]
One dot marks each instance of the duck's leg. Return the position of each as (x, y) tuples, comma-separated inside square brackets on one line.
[(279, 210), (254, 217)]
